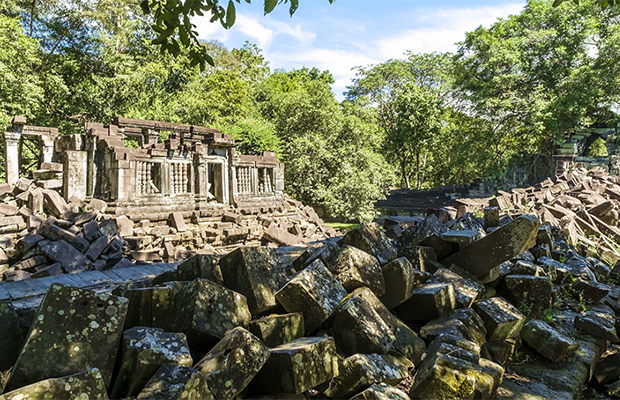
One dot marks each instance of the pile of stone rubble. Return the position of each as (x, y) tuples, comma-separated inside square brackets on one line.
[(451, 305), (45, 235)]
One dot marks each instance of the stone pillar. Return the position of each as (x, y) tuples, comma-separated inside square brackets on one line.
[(11, 156), (150, 136), (75, 165), (202, 177), (278, 178), (47, 149)]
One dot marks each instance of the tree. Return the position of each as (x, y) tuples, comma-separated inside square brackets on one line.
[(540, 74), (174, 29)]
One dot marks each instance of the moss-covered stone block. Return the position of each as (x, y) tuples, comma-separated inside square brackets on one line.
[(429, 301), (400, 278), (12, 339), (143, 351), (174, 382), (232, 364), (251, 272), (501, 319), (297, 366), (371, 239), (275, 330), (355, 268), (205, 266), (360, 371), (73, 330), (87, 384), (358, 328), (314, 292), (206, 311)]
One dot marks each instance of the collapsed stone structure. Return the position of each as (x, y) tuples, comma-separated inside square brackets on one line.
[(451, 305)]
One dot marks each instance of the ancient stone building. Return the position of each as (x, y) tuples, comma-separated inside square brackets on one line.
[(194, 168)]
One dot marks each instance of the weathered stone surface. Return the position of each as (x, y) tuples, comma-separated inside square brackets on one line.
[(360, 371), (97, 205), (355, 268), (314, 292), (55, 204), (466, 289), (125, 226), (534, 293), (206, 311), (54, 232), (176, 221), (143, 351), (173, 382), (429, 301), (497, 247), (464, 322), (280, 236), (62, 252), (399, 276), (381, 391), (275, 330), (251, 272), (232, 364), (591, 291), (491, 217), (74, 329), (597, 324), (501, 319), (11, 335), (203, 266), (371, 239), (607, 370), (430, 226), (547, 341), (96, 248), (297, 366), (408, 343), (358, 328), (88, 384)]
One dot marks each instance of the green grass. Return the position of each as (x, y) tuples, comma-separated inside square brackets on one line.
[(342, 226)]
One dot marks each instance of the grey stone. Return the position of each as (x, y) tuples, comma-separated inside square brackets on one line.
[(298, 366), (547, 341), (206, 311), (54, 232), (231, 365), (276, 330), (381, 391), (597, 324), (76, 329), (355, 268), (71, 260), (429, 301), (466, 289), (11, 335), (358, 328), (144, 350), (360, 371), (87, 384), (534, 293), (250, 271), (408, 343), (399, 276), (314, 292), (174, 382), (501, 319), (370, 238), (591, 291), (497, 247)]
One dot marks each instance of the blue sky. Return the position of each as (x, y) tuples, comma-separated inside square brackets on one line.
[(350, 33)]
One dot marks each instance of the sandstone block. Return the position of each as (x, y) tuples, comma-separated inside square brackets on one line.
[(371, 239), (597, 324), (88, 384), (429, 301), (381, 391), (499, 246), (355, 268), (11, 336), (71, 260), (54, 232), (501, 319), (360, 371), (54, 203), (174, 382), (534, 293), (203, 266), (399, 276), (207, 311), (466, 289), (298, 366), (76, 329), (251, 271), (176, 221), (276, 330), (547, 341), (358, 328), (143, 351), (232, 364), (314, 292)]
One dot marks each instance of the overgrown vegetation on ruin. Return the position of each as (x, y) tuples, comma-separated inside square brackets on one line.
[(427, 119)]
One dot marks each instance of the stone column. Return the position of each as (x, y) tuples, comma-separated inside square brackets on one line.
[(75, 165), (11, 156), (47, 148), (150, 136), (202, 177)]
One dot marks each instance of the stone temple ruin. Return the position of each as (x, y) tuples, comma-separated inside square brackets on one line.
[(193, 169)]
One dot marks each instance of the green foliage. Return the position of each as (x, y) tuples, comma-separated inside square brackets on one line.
[(598, 148), (174, 30), (254, 135)]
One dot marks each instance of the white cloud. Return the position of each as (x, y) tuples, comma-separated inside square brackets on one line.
[(447, 28)]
